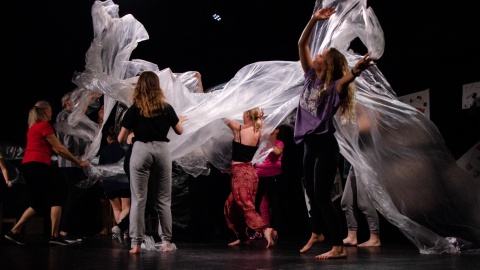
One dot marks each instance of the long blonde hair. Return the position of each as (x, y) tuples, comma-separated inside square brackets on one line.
[(255, 115), (337, 67), (148, 95), (37, 112)]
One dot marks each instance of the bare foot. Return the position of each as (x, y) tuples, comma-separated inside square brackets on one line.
[(268, 236), (103, 232), (234, 243), (136, 249), (371, 243), (315, 238), (350, 241), (167, 246), (239, 242), (337, 252)]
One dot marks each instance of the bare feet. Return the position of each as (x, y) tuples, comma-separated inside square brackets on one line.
[(136, 249), (268, 236), (235, 243), (315, 238), (239, 242), (337, 252), (351, 239), (103, 232), (370, 243), (167, 246)]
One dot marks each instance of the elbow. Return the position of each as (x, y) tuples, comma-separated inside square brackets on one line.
[(179, 131)]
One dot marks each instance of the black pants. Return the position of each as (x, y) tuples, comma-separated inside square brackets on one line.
[(270, 185), (320, 163)]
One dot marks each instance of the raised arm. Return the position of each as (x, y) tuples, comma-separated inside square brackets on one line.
[(232, 124), (349, 77), (304, 41)]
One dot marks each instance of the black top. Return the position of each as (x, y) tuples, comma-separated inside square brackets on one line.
[(242, 152), (111, 153), (149, 129)]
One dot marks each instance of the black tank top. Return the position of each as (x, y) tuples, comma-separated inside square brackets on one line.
[(242, 152)]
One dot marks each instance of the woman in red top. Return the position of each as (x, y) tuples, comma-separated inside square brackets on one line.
[(41, 144)]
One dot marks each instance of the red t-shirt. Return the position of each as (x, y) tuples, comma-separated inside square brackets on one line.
[(38, 149)]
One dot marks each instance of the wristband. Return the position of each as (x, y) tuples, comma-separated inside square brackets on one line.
[(354, 74)]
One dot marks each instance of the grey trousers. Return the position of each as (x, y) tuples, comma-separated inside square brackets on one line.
[(355, 190), (150, 162)]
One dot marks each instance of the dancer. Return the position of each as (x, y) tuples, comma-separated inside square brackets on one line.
[(239, 208), (116, 188), (38, 173), (355, 192), (150, 119), (269, 174), (327, 88)]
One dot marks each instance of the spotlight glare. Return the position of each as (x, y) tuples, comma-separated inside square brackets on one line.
[(217, 17)]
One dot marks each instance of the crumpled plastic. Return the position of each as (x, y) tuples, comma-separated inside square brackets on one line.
[(148, 243), (401, 157)]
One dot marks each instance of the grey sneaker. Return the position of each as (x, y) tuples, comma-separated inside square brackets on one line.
[(117, 233)]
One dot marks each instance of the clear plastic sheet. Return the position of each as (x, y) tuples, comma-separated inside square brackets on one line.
[(400, 155)]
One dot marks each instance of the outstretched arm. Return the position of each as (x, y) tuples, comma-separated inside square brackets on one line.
[(304, 41), (61, 150), (360, 66)]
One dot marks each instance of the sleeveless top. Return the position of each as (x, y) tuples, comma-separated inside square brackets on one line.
[(242, 152)]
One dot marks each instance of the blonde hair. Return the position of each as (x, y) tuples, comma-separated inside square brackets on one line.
[(65, 98), (255, 115), (148, 95), (337, 67), (37, 112)]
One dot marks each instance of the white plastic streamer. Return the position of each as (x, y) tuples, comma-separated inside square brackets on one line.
[(399, 154)]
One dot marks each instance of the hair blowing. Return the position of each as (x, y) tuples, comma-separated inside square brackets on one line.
[(148, 95), (337, 67), (37, 112)]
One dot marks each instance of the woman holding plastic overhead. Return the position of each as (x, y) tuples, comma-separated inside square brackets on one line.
[(239, 208), (327, 88), (150, 118)]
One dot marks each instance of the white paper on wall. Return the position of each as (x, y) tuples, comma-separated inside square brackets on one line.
[(471, 95), (419, 100), (470, 161)]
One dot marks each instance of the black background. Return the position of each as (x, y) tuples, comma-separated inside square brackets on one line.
[(428, 46)]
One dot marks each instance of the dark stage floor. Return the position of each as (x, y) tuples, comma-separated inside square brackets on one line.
[(104, 253)]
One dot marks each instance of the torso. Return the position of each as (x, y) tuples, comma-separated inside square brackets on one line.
[(245, 140)]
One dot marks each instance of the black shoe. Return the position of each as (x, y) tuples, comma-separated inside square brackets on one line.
[(71, 239), (57, 241), (15, 237)]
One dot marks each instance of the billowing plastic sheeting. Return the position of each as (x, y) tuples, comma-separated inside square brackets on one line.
[(400, 155)]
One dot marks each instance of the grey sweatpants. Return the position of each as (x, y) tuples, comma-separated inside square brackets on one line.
[(355, 190), (150, 162)]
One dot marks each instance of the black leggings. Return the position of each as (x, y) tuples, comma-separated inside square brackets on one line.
[(270, 186), (44, 186), (320, 162)]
